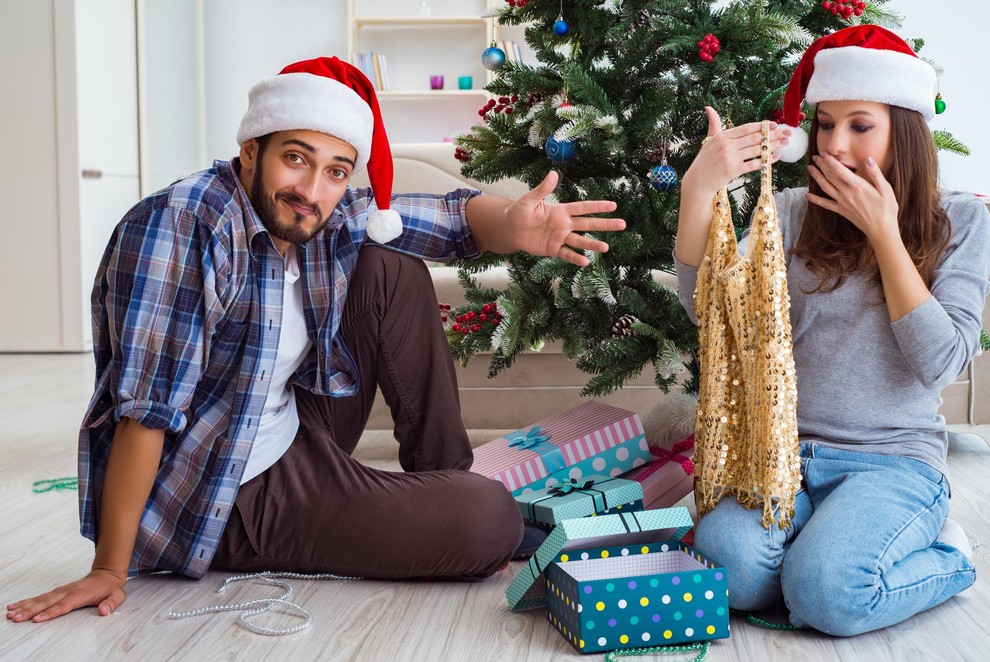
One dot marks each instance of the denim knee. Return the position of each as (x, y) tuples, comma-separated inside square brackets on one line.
[(820, 593), (734, 537)]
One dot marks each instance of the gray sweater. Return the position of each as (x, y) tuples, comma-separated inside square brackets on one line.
[(867, 384)]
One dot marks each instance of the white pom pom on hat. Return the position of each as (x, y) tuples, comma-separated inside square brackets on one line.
[(858, 63), (330, 96)]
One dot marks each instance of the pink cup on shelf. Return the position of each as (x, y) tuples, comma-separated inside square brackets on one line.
[(436, 82)]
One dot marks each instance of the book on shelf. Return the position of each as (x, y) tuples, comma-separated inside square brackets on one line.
[(513, 53), (374, 66)]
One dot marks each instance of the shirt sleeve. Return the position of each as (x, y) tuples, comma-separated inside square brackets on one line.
[(434, 227), (941, 336), (159, 284)]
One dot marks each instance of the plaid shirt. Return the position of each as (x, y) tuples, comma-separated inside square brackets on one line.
[(187, 308)]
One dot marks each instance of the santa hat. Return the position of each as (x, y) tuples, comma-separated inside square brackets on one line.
[(859, 63), (332, 97)]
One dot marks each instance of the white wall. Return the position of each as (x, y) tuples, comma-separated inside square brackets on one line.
[(247, 40), (955, 34), (172, 138)]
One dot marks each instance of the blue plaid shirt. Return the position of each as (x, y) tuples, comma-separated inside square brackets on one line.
[(187, 308)]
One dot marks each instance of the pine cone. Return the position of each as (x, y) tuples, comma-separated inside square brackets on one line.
[(623, 327), (643, 18), (655, 154)]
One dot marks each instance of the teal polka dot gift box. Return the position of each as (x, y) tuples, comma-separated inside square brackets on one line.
[(625, 581)]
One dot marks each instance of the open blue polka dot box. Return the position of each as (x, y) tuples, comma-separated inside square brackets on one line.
[(625, 581)]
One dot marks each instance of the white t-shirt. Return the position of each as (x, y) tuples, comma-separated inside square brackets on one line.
[(279, 419)]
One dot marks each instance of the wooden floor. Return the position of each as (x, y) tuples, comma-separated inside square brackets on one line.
[(42, 398)]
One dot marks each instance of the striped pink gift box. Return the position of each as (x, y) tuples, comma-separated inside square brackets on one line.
[(582, 432)]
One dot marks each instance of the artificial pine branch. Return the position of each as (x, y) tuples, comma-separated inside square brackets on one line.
[(945, 141)]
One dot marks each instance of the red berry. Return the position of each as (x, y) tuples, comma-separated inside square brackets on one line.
[(834, 10), (456, 327), (443, 318), (706, 57), (714, 49), (475, 328), (508, 111), (858, 11), (487, 308), (464, 332), (708, 37), (483, 317), (515, 98), (496, 321)]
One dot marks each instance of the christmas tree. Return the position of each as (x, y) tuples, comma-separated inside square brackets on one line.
[(615, 104)]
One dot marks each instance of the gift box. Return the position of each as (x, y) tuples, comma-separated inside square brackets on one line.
[(668, 477), (625, 581), (613, 462), (591, 439), (653, 594), (593, 495), (526, 590)]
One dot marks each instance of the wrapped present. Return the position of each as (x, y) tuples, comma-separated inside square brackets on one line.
[(613, 462), (592, 438), (669, 477), (652, 594), (593, 495), (526, 590)]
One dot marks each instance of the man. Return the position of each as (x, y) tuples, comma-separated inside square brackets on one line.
[(221, 329)]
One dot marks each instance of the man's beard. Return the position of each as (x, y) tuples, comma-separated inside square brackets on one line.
[(265, 207)]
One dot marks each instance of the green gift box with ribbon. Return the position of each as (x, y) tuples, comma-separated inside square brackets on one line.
[(593, 495)]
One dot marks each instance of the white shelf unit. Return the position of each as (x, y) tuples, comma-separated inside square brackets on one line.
[(449, 42)]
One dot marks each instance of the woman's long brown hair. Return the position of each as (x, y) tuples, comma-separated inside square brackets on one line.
[(833, 247)]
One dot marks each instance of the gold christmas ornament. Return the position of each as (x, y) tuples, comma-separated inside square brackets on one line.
[(746, 440)]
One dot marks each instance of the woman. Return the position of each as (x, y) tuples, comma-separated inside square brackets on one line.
[(887, 278)]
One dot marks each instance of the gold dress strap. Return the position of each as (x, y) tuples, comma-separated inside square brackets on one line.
[(746, 440)]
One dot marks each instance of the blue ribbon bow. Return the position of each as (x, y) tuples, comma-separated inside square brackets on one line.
[(569, 486), (534, 440)]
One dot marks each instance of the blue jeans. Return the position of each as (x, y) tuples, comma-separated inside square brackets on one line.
[(861, 554)]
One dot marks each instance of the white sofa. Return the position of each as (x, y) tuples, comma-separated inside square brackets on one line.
[(543, 383)]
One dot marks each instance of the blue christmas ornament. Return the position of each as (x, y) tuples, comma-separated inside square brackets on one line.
[(560, 27), (560, 151), (493, 58), (663, 177)]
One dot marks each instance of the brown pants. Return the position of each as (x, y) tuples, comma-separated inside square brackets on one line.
[(319, 510)]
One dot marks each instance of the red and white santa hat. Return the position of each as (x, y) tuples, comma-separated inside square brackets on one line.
[(858, 63), (333, 97)]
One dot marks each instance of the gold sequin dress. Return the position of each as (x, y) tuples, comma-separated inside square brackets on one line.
[(746, 440)]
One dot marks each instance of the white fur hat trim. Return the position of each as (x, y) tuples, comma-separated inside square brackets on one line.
[(295, 101)]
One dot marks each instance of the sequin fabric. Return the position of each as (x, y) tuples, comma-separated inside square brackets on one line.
[(746, 422)]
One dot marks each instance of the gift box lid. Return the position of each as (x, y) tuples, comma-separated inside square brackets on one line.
[(526, 590), (572, 498)]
